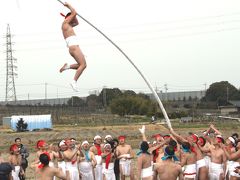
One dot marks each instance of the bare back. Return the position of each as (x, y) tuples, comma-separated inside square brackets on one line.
[(168, 170), (47, 173)]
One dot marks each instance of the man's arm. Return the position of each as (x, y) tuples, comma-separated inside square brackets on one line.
[(177, 136), (59, 173), (180, 176), (73, 12)]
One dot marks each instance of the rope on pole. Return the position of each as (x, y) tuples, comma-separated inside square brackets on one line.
[(144, 78)]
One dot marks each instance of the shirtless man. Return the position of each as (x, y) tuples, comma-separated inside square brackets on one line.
[(15, 159), (73, 45), (44, 172), (235, 157), (60, 160), (217, 166), (188, 158), (87, 162), (144, 163), (144, 159), (167, 169), (97, 150), (70, 157), (108, 163), (125, 153)]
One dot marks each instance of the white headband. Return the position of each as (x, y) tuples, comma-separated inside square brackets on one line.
[(108, 136), (232, 140), (84, 142), (97, 137), (107, 145), (62, 142)]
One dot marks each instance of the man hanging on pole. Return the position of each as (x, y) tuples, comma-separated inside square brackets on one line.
[(73, 45)]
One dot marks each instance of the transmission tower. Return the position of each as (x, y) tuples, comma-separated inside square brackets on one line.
[(10, 68)]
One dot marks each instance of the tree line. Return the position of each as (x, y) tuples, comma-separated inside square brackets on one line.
[(130, 103)]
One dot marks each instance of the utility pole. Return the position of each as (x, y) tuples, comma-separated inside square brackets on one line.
[(166, 89), (227, 94), (104, 96), (45, 91), (10, 69)]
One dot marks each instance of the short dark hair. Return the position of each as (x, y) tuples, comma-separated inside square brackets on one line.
[(18, 138), (44, 159), (68, 14), (144, 146)]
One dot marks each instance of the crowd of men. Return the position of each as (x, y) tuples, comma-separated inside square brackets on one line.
[(207, 156)]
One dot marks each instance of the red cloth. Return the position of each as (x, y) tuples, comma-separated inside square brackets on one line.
[(99, 152), (108, 158)]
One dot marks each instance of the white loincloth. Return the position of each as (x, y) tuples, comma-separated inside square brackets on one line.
[(201, 163), (62, 165), (190, 171), (147, 172), (109, 173), (207, 160), (86, 170), (72, 41), (98, 168), (73, 170), (125, 164), (232, 168), (15, 173), (215, 170)]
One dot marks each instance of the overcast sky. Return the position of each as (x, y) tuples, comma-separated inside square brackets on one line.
[(182, 43)]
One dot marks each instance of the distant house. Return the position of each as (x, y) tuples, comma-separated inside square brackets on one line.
[(233, 107), (236, 104), (186, 119)]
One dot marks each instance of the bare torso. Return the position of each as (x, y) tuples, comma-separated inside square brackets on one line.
[(67, 30), (168, 170)]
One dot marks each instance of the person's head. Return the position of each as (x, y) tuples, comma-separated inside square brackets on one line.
[(166, 136), (218, 140), (169, 153), (85, 145), (121, 140), (201, 141), (42, 145), (62, 145), (230, 141), (14, 149), (97, 140), (186, 146), (158, 137), (44, 159), (6, 169), (18, 141), (144, 146), (69, 143), (172, 143), (107, 147), (74, 21), (108, 138), (192, 137)]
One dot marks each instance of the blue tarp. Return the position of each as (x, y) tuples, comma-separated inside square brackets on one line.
[(33, 121)]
